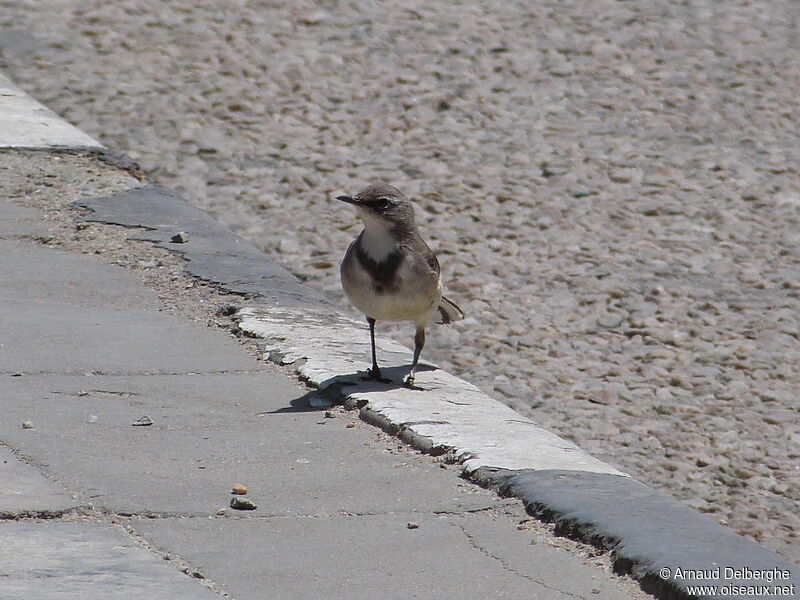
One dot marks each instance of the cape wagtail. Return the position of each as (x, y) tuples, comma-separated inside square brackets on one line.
[(389, 273)]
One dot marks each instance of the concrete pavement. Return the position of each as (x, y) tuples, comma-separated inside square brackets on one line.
[(88, 351)]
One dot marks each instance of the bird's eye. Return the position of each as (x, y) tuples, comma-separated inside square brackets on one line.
[(383, 203)]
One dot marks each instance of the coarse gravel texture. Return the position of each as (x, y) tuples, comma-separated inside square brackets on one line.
[(612, 188)]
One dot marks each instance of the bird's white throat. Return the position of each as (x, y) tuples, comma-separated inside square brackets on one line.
[(377, 241)]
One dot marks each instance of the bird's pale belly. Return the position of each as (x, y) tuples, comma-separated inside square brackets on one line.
[(413, 298)]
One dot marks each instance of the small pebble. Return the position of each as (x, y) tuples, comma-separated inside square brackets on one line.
[(142, 421), (179, 238), (609, 321), (412, 525), (239, 489), (222, 512), (239, 503), (92, 419), (351, 425), (27, 425)]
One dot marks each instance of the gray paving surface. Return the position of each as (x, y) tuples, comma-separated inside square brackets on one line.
[(60, 561), (210, 431), (21, 222), (24, 491), (334, 501), (376, 556), (29, 277)]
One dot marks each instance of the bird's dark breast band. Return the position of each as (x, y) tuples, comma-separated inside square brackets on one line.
[(384, 273)]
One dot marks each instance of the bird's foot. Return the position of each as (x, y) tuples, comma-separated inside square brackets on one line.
[(374, 374), (409, 383)]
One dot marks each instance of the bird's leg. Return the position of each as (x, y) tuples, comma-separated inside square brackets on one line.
[(375, 371), (419, 342)]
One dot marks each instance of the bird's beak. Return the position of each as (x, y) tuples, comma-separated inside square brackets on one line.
[(349, 200)]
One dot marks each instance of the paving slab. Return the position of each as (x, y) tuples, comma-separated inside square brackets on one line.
[(54, 338), (376, 556), (25, 491), (324, 486), (61, 561), (209, 432), (64, 324), (20, 222), (32, 273), (85, 367)]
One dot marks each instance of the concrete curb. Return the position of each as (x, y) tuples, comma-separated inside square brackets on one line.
[(214, 253), (24, 123), (653, 536), (648, 532)]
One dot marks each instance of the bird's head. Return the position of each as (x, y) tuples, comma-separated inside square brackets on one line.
[(381, 205)]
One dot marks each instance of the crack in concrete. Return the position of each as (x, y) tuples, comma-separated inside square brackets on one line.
[(181, 564), (504, 564), (233, 514), (39, 515), (83, 393), (470, 511)]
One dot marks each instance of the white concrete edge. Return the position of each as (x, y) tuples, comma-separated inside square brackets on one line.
[(24, 123), (449, 412)]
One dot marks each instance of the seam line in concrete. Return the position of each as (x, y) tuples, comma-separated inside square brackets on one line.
[(97, 375)]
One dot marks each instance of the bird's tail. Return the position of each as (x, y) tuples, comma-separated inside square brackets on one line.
[(448, 311)]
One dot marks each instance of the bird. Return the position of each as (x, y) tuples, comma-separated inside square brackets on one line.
[(390, 274)]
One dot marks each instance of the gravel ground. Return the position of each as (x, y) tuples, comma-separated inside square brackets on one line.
[(612, 188)]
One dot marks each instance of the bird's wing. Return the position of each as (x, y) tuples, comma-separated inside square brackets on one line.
[(427, 255), (448, 311)]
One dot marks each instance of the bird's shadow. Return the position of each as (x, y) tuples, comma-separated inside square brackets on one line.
[(333, 390)]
